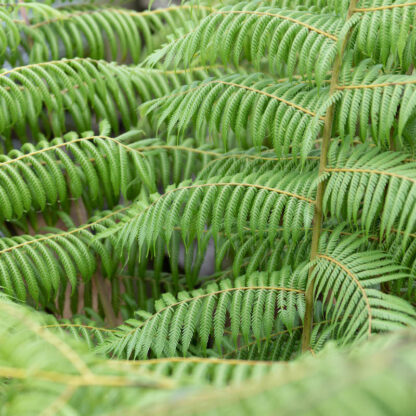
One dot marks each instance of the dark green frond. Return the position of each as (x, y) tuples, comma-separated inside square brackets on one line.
[(115, 34), (44, 264), (51, 174), (49, 96)]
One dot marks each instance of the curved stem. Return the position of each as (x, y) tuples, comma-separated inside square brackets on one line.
[(318, 214)]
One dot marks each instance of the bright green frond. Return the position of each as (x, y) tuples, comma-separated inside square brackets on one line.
[(292, 42), (203, 315), (250, 110), (386, 32), (347, 281), (227, 204), (372, 187)]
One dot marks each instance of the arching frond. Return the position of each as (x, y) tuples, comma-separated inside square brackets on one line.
[(282, 343), (255, 252), (86, 32), (404, 255), (378, 106), (211, 371), (334, 381), (205, 313), (52, 173), (386, 31), (254, 108), (37, 32), (347, 281), (293, 41), (48, 366), (193, 230), (338, 6), (172, 162), (230, 203), (79, 328)]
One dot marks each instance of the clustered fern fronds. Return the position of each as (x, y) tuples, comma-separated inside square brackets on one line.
[(208, 208)]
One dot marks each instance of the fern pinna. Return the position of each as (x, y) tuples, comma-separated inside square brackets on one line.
[(207, 208)]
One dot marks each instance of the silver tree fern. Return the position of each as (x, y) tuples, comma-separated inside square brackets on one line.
[(275, 138)]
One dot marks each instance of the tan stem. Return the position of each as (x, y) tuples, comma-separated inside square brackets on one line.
[(104, 298), (318, 213)]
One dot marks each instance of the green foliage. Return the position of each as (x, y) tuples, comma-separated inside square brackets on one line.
[(247, 306), (252, 107), (193, 196)]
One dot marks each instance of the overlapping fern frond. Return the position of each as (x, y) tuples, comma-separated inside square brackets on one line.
[(371, 379), (70, 366), (98, 31), (52, 172), (41, 264), (348, 282), (371, 186), (48, 96), (108, 33), (386, 32)]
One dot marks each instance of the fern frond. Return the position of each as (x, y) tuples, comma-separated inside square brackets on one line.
[(386, 32), (282, 344), (53, 172), (51, 367), (231, 221), (64, 87), (228, 204), (80, 328), (200, 371), (46, 96), (173, 163), (40, 265), (339, 7), (203, 313), (356, 189), (254, 108), (106, 32), (293, 41), (372, 378), (348, 281), (382, 106), (254, 252), (406, 256)]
